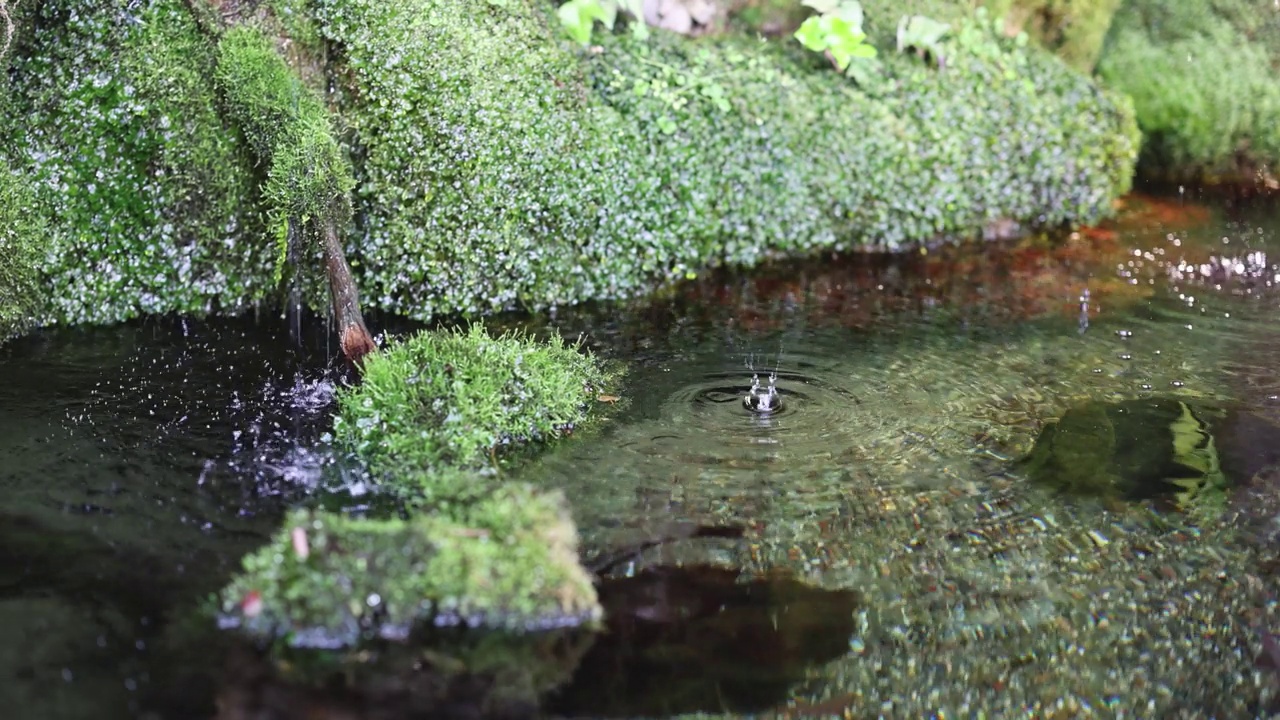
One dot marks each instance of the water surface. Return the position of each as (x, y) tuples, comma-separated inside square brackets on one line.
[(869, 549)]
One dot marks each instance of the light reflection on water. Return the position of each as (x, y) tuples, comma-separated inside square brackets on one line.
[(146, 460), (888, 475)]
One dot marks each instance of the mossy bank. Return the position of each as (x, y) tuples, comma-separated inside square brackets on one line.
[(487, 179), (1203, 80)]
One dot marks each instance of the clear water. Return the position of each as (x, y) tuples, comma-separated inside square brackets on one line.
[(881, 553)]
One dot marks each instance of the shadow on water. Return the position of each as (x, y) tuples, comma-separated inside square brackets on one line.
[(869, 540)]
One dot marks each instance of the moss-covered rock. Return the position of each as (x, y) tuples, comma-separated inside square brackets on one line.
[(21, 297), (508, 561), (309, 180), (426, 417), (146, 191), (1202, 79), (449, 398), (487, 178), (674, 154)]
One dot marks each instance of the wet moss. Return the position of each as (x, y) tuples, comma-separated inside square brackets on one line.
[(670, 155), (288, 127), (146, 191), (508, 561), (21, 297), (1202, 79), (448, 399)]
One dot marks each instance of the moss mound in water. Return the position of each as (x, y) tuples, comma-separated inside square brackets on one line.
[(428, 414), (450, 398), (595, 175), (507, 561), (1202, 76)]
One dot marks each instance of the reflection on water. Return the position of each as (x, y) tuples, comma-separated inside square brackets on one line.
[(696, 639), (925, 573)]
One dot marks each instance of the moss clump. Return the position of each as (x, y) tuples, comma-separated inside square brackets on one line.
[(753, 150), (309, 180), (145, 191), (671, 154), (509, 561), (424, 418), (21, 235), (447, 399), (1202, 79)]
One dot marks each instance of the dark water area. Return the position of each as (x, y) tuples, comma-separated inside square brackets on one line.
[(871, 548)]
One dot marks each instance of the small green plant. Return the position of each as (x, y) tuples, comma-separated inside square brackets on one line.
[(924, 35), (836, 32), (579, 17)]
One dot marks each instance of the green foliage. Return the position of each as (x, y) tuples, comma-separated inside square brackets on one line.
[(288, 128), (670, 155), (144, 191), (450, 398), (1202, 83), (1074, 30), (509, 561), (579, 17), (922, 34), (21, 233), (836, 31)]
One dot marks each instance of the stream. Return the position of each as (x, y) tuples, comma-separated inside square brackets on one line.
[(869, 548)]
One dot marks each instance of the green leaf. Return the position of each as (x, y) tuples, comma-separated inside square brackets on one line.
[(811, 34), (667, 125), (863, 51)]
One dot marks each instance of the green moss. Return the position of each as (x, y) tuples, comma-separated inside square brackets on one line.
[(508, 561), (1074, 30), (309, 180), (441, 399), (21, 237), (1201, 76), (145, 191), (671, 155)]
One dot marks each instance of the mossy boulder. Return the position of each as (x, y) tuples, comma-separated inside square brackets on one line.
[(595, 175), (1202, 76), (507, 561), (486, 178), (1153, 449), (146, 190)]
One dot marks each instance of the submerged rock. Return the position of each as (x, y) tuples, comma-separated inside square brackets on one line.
[(1160, 449)]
